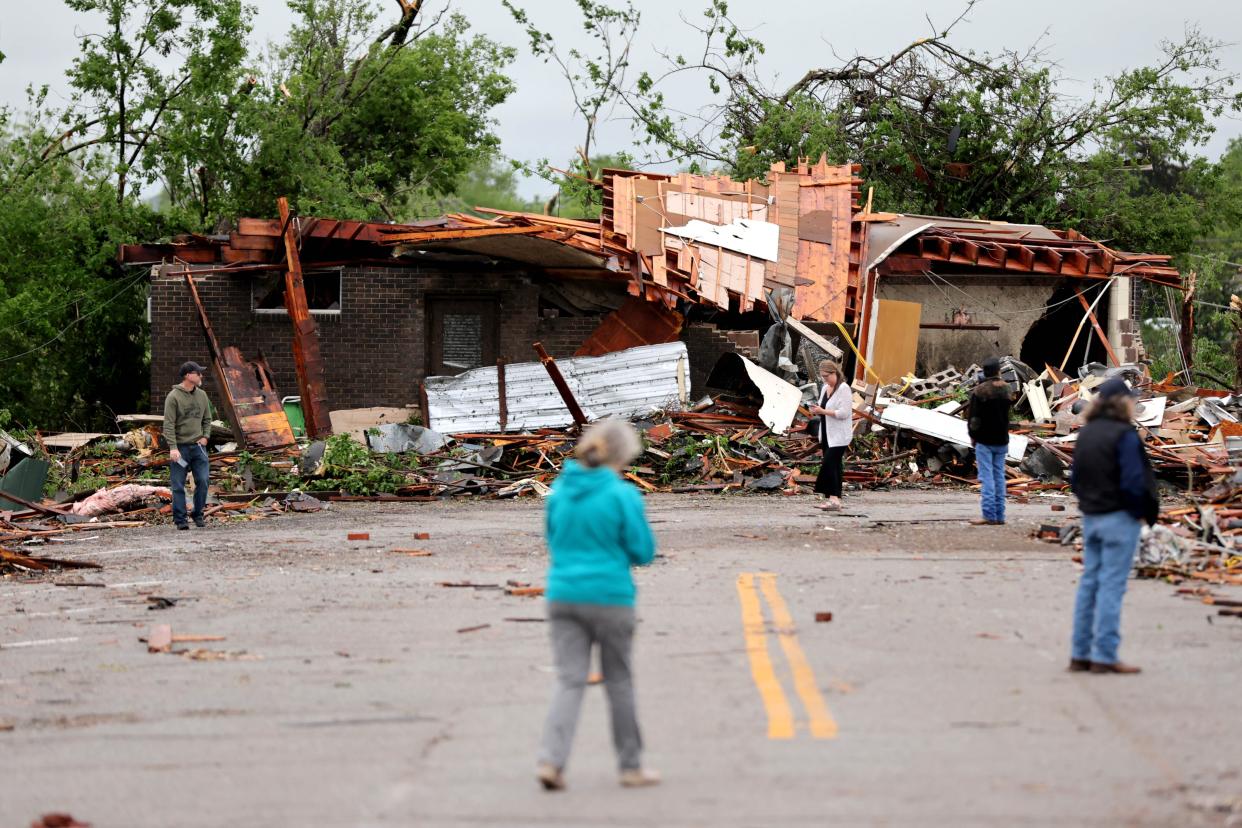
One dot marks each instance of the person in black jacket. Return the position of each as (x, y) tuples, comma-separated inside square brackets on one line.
[(1116, 492), (988, 424)]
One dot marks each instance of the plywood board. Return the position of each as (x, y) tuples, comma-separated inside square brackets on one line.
[(786, 270), (648, 217), (824, 212), (356, 421), (622, 205), (896, 339), (816, 225), (718, 209)]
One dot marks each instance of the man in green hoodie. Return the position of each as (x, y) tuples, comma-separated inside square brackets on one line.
[(187, 422)]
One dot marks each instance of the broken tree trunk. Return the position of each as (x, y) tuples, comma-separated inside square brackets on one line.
[(306, 358), (1186, 331)]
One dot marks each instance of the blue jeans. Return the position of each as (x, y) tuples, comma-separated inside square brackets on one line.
[(991, 463), (1109, 542), (195, 457)]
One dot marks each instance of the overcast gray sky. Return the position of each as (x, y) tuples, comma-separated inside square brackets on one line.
[(1088, 38)]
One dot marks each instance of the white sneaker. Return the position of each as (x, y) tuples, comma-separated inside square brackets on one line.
[(639, 778)]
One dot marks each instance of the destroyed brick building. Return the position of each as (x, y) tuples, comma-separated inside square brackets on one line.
[(698, 258)]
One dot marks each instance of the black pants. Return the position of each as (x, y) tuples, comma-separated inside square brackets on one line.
[(831, 472)]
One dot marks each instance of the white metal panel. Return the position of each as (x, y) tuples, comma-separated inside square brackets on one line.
[(780, 398), (760, 239), (622, 384), (944, 427)]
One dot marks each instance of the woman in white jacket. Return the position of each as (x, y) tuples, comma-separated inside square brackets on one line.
[(834, 426)]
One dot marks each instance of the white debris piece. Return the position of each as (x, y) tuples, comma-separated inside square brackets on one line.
[(749, 237), (943, 427)]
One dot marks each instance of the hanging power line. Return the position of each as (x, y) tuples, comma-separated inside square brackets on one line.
[(77, 321), (1214, 259), (1007, 314), (48, 311)]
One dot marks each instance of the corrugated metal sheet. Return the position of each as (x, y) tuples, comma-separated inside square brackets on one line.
[(622, 384)]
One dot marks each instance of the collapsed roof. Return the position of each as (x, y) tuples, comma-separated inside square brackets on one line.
[(705, 240)]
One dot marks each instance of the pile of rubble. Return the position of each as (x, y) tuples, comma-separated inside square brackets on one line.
[(749, 436)]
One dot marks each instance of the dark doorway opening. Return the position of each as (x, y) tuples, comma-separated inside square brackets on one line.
[(1049, 338), (462, 333)]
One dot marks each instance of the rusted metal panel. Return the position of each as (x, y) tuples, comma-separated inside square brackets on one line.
[(562, 387), (502, 394), (249, 398), (306, 358), (255, 400), (637, 322)]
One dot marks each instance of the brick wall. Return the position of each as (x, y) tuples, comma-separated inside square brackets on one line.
[(706, 345), (562, 335), (374, 350)]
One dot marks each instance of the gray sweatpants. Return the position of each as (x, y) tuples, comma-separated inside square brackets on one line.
[(574, 628)]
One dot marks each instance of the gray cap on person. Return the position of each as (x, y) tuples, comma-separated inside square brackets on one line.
[(192, 368)]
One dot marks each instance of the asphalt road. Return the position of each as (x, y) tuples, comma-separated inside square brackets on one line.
[(350, 696)]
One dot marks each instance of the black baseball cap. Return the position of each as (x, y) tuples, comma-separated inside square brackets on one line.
[(1115, 387), (192, 368), (991, 367)]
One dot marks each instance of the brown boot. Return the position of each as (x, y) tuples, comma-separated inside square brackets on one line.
[(639, 778), (1118, 667), (550, 777), (980, 522), (1079, 665)]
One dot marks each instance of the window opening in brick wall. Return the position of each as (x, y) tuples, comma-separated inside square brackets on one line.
[(323, 292), (462, 333), (463, 340)]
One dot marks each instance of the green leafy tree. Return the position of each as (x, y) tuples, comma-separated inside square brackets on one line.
[(491, 182), (350, 123), (595, 78), (151, 60), (73, 343), (349, 116), (578, 196), (952, 132), (1215, 259)]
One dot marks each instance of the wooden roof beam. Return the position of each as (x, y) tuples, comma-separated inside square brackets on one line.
[(996, 254), (935, 247), (1076, 262), (1022, 257), (471, 233), (1048, 260), (963, 251)]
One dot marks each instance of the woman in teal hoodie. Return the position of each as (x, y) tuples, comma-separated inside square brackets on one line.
[(596, 530)]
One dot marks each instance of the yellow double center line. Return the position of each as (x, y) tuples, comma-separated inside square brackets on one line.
[(780, 714)]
